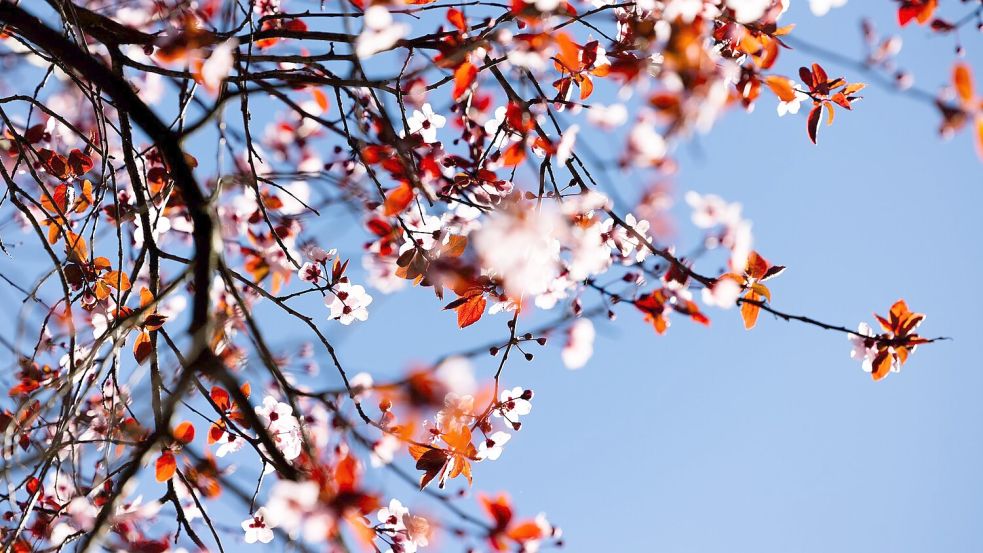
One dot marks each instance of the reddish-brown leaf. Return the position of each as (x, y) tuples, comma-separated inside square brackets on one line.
[(812, 125), (470, 311), (55, 164), (819, 75), (79, 162), (430, 460)]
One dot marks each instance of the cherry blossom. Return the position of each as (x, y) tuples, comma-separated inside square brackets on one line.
[(580, 344), (822, 7), (216, 68), (711, 210), (257, 527), (748, 11), (392, 516), (792, 106), (291, 504), (407, 531), (425, 122), (380, 32), (723, 293), (514, 403), (491, 447), (309, 272), (282, 425), (865, 349), (520, 247), (348, 303)]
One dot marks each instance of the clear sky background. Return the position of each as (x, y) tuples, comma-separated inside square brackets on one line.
[(718, 439)]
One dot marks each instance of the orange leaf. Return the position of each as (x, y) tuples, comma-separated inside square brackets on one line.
[(819, 75), (165, 467), (881, 365), (464, 77), (142, 347), (963, 82), (346, 474), (456, 244), (586, 88), (782, 87), (58, 203), (749, 311), (397, 199), (117, 280), (526, 531), (514, 154), (184, 433), (215, 432), (75, 248), (320, 98), (979, 136), (569, 54)]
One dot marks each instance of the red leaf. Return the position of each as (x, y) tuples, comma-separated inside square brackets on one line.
[(221, 398), (812, 126), (457, 19)]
